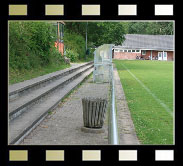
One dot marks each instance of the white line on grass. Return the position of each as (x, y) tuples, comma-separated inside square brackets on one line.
[(149, 91)]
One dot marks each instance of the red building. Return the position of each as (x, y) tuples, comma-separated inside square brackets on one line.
[(148, 47)]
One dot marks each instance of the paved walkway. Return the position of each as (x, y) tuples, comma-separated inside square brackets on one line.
[(126, 128), (63, 125)]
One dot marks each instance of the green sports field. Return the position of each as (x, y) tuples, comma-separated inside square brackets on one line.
[(148, 87)]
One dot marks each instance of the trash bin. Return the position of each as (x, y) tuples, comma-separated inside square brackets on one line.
[(94, 110)]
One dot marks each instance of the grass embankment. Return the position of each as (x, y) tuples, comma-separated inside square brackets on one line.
[(148, 87), (16, 76)]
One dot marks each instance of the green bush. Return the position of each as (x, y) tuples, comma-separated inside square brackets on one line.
[(75, 42), (72, 55), (31, 50), (30, 44), (56, 56)]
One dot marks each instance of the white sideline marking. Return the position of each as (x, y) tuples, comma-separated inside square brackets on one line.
[(149, 91)]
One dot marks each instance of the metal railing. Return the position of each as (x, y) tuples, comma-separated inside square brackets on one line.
[(112, 129), (103, 72)]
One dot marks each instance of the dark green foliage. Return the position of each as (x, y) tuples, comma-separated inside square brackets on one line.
[(30, 44), (152, 28), (31, 50), (74, 44), (76, 27), (98, 32), (72, 55), (56, 57), (105, 33)]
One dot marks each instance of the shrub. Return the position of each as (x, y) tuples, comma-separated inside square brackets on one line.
[(75, 42), (56, 56), (72, 55), (30, 44)]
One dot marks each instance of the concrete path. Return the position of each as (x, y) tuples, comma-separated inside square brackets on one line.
[(63, 125), (126, 128)]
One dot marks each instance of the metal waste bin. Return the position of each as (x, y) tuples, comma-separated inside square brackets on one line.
[(94, 110)]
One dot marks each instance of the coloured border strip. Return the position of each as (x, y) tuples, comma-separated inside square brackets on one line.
[(91, 155), (91, 10)]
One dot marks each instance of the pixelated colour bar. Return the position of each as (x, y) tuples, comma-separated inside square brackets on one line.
[(91, 10), (91, 155)]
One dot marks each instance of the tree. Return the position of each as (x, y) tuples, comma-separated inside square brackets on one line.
[(106, 33), (160, 28), (152, 28)]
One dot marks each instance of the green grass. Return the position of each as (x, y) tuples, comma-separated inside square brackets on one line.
[(88, 59), (16, 76), (153, 122)]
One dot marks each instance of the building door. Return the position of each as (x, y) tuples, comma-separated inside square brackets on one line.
[(165, 56), (160, 56)]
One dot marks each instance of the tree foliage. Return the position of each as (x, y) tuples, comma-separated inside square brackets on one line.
[(113, 32), (98, 32), (106, 33), (152, 28), (30, 44), (75, 44)]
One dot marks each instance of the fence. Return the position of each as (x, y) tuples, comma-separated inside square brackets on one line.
[(103, 72)]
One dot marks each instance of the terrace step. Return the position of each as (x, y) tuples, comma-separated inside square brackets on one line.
[(23, 124), (24, 102), (23, 88)]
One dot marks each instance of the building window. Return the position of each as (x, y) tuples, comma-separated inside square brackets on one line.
[(143, 52), (165, 54), (159, 54), (133, 50), (121, 50), (116, 50), (125, 50), (137, 50), (129, 50)]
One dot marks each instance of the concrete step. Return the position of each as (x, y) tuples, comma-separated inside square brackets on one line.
[(25, 102), (22, 88), (22, 125)]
